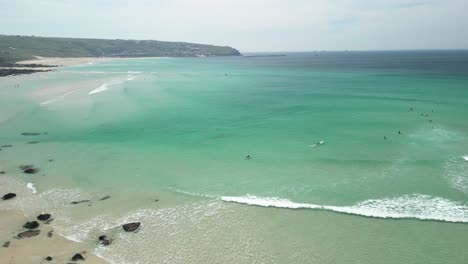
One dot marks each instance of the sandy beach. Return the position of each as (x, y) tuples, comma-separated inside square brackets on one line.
[(36, 249), (58, 61)]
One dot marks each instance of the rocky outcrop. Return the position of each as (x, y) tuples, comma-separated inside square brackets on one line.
[(49, 258), (9, 196), (31, 225), (130, 227), (44, 217), (77, 257)]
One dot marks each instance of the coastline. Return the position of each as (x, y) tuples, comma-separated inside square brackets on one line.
[(37, 249), (70, 61), (48, 242)]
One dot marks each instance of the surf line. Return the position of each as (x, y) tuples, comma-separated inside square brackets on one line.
[(105, 86), (404, 207), (57, 98)]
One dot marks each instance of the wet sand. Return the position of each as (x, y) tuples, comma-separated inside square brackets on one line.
[(36, 249)]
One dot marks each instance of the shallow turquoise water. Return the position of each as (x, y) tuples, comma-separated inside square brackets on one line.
[(185, 126)]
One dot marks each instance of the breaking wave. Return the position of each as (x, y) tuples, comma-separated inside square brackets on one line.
[(415, 206)]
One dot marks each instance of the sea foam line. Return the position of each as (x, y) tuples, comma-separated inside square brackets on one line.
[(416, 206), (105, 86), (53, 100)]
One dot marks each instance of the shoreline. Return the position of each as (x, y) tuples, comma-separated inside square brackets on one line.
[(71, 61), (37, 248), (48, 64)]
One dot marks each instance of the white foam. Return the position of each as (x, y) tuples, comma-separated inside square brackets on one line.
[(465, 158), (59, 98), (105, 86), (30, 186), (415, 206), (131, 78), (456, 172)]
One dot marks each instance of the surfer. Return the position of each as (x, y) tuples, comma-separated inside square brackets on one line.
[(399, 132), (248, 157)]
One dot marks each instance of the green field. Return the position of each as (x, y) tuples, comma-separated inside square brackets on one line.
[(15, 48)]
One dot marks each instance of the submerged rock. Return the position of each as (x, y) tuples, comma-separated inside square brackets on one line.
[(6, 244), (49, 221), (33, 142), (25, 167), (77, 257), (82, 201), (9, 196), (105, 198), (2, 172), (104, 240), (6, 146), (43, 217), (29, 233), (130, 227), (31, 171), (30, 134), (31, 225)]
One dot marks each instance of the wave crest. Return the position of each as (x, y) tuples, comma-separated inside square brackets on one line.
[(416, 206)]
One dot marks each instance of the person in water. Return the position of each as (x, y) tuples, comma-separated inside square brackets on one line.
[(248, 157), (385, 137), (399, 132)]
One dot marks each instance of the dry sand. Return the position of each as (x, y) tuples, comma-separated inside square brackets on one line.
[(56, 61)]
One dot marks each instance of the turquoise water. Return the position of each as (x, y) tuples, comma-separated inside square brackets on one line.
[(179, 130)]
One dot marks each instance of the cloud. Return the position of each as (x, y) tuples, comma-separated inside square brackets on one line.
[(248, 24)]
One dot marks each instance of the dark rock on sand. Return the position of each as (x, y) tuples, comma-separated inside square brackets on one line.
[(6, 244), (29, 233), (77, 257), (82, 201), (43, 217), (51, 233), (49, 258), (31, 225), (130, 227), (105, 198), (9, 196), (30, 134)]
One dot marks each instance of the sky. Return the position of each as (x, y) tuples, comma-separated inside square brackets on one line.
[(250, 25)]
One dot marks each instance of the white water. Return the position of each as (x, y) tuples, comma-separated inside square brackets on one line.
[(417, 206)]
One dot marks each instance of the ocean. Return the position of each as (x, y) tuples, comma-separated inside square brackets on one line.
[(320, 157)]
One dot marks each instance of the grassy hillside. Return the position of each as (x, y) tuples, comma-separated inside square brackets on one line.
[(15, 48)]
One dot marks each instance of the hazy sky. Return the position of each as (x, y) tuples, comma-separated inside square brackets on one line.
[(250, 25)]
